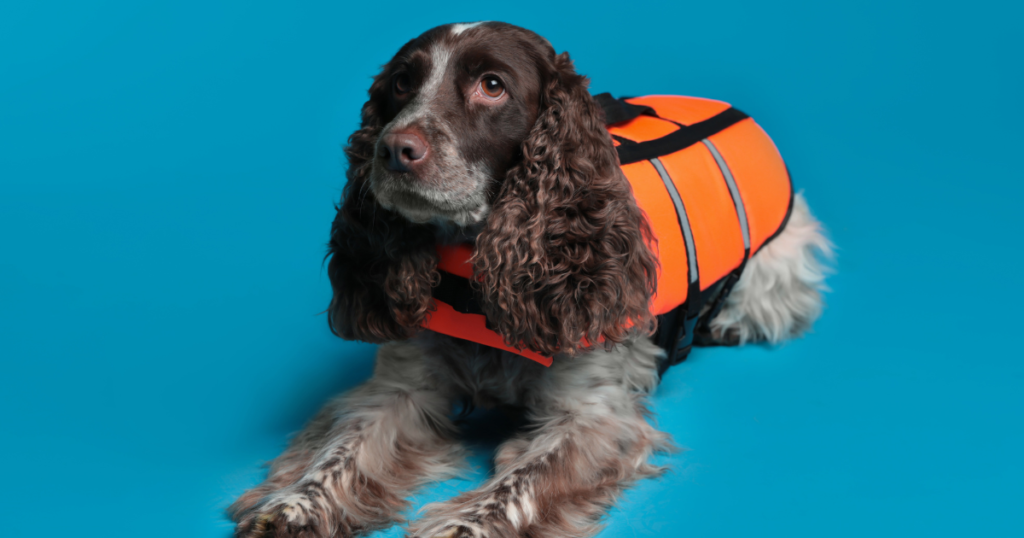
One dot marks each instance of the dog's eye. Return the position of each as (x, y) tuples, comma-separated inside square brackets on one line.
[(492, 87), (402, 84)]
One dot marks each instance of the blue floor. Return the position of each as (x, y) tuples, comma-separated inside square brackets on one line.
[(167, 175)]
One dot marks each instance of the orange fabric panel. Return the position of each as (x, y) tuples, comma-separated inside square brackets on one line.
[(717, 236), (454, 259), (654, 200), (686, 110), (643, 128), (473, 327), (760, 175)]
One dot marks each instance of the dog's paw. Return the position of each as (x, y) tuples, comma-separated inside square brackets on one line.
[(293, 516)]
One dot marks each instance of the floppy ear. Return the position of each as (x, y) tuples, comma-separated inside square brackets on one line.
[(382, 266), (563, 258)]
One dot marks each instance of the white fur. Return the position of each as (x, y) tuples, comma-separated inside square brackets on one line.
[(440, 56), (779, 293), (457, 29)]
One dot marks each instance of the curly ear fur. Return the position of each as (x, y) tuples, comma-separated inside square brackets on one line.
[(563, 258), (382, 266)]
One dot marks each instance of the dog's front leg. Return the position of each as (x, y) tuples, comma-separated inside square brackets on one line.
[(590, 439), (359, 459)]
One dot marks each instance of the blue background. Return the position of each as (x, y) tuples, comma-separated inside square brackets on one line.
[(167, 175)]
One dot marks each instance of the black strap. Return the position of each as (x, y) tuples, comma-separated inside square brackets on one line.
[(682, 138), (456, 291), (618, 110), (669, 337), (678, 329)]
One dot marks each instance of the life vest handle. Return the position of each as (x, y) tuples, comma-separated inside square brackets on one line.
[(619, 110)]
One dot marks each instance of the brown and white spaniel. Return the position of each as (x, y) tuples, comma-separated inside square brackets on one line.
[(482, 133)]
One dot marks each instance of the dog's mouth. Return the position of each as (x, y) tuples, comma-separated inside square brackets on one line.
[(421, 202)]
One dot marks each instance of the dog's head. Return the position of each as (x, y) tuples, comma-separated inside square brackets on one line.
[(484, 129)]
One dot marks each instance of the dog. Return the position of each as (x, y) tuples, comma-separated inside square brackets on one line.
[(481, 133)]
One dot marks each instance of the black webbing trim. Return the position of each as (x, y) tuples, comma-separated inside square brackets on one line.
[(618, 110), (680, 139), (789, 211), (456, 291), (622, 140), (668, 336), (679, 329)]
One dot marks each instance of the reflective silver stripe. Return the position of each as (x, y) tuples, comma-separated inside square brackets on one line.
[(737, 201), (684, 221)]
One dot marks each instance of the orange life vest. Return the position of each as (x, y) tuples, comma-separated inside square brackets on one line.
[(714, 189)]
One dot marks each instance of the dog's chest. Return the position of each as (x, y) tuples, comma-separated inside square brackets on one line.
[(489, 376)]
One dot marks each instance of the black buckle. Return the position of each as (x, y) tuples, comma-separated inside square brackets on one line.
[(684, 342), (677, 341)]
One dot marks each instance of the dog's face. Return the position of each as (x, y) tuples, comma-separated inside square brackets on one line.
[(457, 103), (484, 126)]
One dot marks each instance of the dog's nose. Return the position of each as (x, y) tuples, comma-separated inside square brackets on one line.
[(403, 150)]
